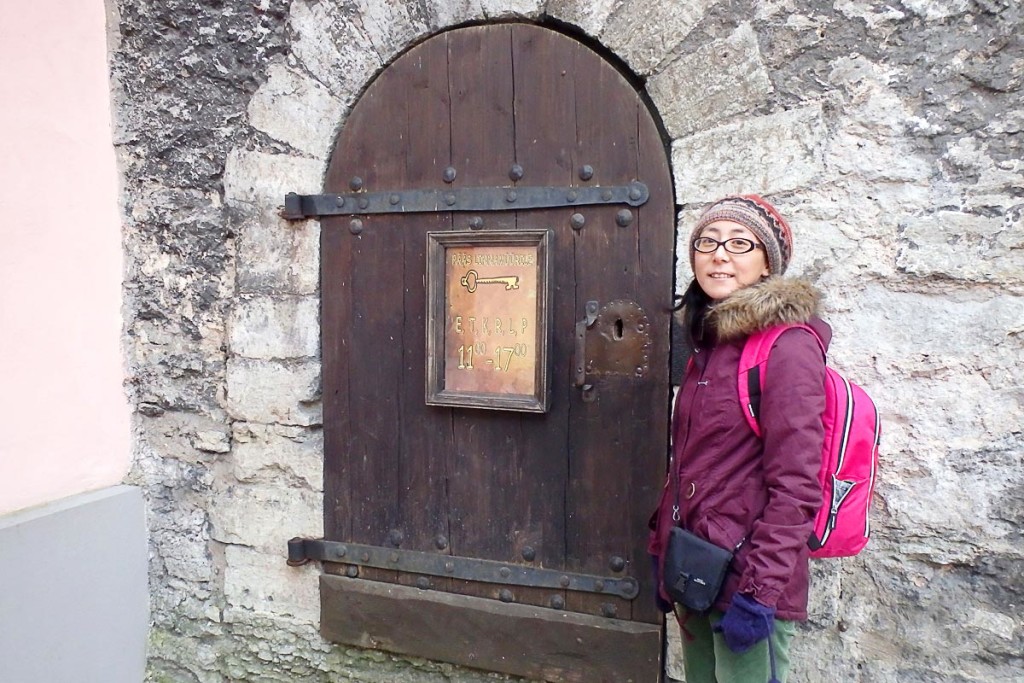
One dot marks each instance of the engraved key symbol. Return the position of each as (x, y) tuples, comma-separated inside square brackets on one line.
[(472, 279)]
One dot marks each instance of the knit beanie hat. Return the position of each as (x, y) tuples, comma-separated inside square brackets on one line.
[(761, 218)]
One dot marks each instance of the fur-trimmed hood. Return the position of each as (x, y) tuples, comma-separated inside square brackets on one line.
[(773, 301)]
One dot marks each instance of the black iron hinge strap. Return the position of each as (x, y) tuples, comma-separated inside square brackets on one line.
[(301, 550), (300, 206)]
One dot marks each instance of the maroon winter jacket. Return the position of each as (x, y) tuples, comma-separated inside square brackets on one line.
[(733, 486)]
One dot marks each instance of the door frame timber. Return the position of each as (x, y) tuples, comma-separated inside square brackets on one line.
[(522, 640)]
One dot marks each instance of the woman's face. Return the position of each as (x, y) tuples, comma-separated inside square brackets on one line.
[(721, 273)]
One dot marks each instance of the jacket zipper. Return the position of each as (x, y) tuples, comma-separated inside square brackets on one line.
[(677, 466)]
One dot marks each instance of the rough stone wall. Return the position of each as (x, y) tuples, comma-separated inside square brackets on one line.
[(890, 134)]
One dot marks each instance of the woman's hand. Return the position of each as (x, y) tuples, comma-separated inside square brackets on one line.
[(746, 623)]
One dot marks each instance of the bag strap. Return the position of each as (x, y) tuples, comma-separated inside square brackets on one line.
[(754, 362)]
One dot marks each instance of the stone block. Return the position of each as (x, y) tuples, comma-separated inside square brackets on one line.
[(877, 16), (185, 557), (333, 46), (645, 32), (673, 650), (589, 15), (886, 160), (264, 583), (962, 246), (444, 13), (278, 453), (265, 517), (766, 155), (298, 110), (269, 391), (277, 327), (262, 180), (278, 256), (718, 80), (184, 436), (392, 25), (936, 10), (995, 184)]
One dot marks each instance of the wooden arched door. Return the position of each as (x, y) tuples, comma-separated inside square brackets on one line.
[(507, 535)]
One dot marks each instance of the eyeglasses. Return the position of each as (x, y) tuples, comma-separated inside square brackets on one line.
[(733, 245)]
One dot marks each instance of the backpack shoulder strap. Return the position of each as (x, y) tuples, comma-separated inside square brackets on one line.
[(753, 364)]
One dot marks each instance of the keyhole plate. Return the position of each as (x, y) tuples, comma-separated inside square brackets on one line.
[(619, 342)]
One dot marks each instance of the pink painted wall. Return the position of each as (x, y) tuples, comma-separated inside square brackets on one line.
[(64, 421)]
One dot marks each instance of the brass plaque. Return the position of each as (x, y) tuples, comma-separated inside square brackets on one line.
[(487, 329)]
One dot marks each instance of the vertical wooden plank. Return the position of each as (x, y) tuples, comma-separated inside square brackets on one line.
[(545, 133), (608, 435), (425, 433), (483, 467), (655, 229), (335, 321)]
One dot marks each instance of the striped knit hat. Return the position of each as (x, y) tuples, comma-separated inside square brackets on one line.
[(761, 218)]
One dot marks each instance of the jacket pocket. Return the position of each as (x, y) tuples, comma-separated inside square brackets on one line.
[(727, 521)]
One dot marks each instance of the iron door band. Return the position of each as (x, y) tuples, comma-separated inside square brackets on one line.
[(302, 206), (301, 550)]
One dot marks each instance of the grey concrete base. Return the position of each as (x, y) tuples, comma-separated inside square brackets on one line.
[(73, 590)]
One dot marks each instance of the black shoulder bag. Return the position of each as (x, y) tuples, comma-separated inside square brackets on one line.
[(694, 569)]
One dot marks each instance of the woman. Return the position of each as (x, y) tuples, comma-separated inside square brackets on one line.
[(726, 485)]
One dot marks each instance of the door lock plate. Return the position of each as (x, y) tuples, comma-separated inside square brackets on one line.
[(613, 340)]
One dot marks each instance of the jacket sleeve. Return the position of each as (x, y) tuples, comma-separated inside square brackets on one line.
[(792, 404)]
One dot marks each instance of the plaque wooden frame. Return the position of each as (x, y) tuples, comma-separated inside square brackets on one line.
[(440, 272)]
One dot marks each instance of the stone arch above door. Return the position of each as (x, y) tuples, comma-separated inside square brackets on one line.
[(278, 261)]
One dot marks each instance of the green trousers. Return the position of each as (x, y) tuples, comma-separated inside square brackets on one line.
[(707, 659)]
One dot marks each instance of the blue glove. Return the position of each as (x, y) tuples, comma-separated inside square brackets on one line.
[(746, 623)]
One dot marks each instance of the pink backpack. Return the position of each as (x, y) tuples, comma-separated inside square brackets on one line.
[(849, 456)]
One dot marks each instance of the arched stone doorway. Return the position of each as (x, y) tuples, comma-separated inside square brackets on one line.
[(458, 526)]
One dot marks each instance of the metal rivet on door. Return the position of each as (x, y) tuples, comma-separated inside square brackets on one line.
[(516, 172), (449, 174), (624, 217), (356, 183), (586, 172)]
